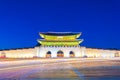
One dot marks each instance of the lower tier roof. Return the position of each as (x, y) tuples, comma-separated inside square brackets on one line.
[(60, 43)]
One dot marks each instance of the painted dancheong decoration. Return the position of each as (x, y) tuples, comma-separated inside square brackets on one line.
[(59, 45), (63, 44), (60, 39)]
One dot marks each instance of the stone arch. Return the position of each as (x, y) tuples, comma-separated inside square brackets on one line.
[(116, 54), (72, 54), (48, 54), (60, 53), (3, 55)]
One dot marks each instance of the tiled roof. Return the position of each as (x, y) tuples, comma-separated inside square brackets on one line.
[(59, 33)]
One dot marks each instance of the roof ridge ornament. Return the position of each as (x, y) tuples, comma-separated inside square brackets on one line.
[(59, 32)]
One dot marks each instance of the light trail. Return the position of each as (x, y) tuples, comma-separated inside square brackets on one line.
[(44, 63)]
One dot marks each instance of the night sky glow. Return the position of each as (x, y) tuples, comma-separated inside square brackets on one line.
[(22, 20)]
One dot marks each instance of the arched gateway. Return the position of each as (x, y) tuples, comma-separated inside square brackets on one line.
[(58, 41), (60, 54), (48, 54), (72, 54)]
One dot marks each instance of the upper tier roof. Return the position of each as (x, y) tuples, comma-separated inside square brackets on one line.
[(59, 33)]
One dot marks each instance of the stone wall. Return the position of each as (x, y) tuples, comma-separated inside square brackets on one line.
[(18, 53), (42, 50), (91, 52), (78, 51)]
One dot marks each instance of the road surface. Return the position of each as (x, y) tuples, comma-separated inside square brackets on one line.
[(54, 69)]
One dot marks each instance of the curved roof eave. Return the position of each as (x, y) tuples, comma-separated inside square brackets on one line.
[(42, 34)]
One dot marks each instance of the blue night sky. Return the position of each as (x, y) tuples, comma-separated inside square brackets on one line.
[(22, 20)]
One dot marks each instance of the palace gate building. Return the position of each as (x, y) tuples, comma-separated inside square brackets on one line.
[(59, 45)]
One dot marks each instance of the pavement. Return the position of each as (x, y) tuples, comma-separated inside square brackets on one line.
[(47, 69)]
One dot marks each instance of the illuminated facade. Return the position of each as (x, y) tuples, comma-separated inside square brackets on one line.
[(59, 45)]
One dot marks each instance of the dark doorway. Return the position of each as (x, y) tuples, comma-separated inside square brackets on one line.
[(3, 55), (60, 53), (116, 54), (72, 54), (48, 54)]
